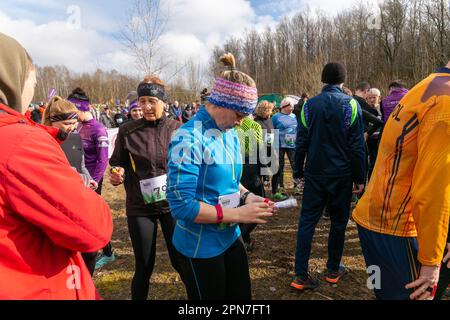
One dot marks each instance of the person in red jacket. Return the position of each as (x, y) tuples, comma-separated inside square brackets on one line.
[(47, 215)]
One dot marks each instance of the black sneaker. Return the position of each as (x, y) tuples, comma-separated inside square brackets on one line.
[(333, 277), (300, 284)]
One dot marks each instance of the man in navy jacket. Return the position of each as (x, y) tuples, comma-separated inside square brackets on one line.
[(331, 138)]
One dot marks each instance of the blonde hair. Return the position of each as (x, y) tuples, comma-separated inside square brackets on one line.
[(55, 106), (287, 101), (263, 107), (375, 92), (234, 75)]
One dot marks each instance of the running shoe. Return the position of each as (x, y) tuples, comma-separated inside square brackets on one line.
[(103, 260), (334, 276), (300, 284)]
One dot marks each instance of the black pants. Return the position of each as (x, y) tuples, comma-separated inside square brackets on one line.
[(223, 277), (319, 191), (444, 280), (278, 178), (90, 257), (99, 187), (372, 146), (143, 232), (107, 251), (251, 179)]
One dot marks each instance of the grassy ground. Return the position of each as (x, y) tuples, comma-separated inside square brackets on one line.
[(271, 262)]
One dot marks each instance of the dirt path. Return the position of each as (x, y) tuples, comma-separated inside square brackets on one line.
[(271, 262)]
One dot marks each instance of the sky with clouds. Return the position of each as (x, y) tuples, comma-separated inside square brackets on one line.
[(46, 27)]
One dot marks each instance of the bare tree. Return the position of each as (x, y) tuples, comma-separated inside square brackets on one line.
[(438, 13), (194, 76), (412, 39), (101, 86), (142, 36), (393, 18)]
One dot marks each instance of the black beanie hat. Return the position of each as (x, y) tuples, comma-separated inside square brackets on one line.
[(334, 73), (78, 94)]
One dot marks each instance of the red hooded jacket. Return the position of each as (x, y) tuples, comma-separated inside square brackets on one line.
[(47, 216)]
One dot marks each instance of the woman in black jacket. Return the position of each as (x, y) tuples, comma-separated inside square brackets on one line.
[(140, 161)]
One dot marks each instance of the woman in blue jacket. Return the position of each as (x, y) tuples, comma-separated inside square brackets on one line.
[(205, 195)]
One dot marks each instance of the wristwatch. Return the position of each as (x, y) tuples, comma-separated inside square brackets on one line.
[(244, 197)]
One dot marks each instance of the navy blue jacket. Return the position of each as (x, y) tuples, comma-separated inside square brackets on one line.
[(331, 137)]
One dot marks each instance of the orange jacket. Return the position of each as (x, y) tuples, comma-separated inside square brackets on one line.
[(409, 191), (47, 216)]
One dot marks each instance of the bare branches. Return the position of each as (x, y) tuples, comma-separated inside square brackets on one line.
[(101, 86), (409, 40), (142, 36)]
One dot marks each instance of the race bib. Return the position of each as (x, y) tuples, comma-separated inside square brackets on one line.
[(270, 138), (289, 139), (154, 190), (229, 201)]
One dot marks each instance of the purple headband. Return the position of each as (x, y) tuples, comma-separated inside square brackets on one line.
[(81, 105), (234, 96), (133, 105)]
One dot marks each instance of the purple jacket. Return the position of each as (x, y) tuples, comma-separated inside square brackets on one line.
[(95, 145), (390, 102)]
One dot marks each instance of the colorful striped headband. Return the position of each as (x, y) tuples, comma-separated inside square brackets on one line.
[(234, 96)]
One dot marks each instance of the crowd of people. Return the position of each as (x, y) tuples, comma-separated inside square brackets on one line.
[(203, 172), (114, 117)]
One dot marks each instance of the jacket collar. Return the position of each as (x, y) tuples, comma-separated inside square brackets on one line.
[(156, 123), (396, 91), (443, 70), (261, 118), (206, 119), (332, 88)]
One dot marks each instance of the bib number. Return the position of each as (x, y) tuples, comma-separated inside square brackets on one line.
[(289, 139), (270, 138), (229, 201), (154, 190)]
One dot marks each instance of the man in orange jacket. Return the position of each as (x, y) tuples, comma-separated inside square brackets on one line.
[(403, 217), (47, 215)]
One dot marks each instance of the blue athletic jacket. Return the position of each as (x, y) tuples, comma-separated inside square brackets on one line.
[(204, 163), (331, 137), (286, 124)]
